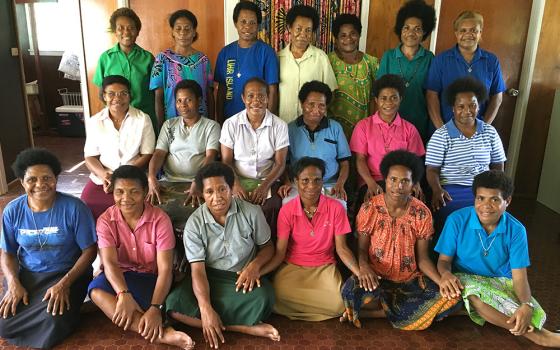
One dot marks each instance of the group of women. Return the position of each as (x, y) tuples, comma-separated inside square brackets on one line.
[(256, 185)]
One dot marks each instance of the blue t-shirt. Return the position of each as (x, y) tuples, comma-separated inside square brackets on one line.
[(450, 65), (49, 241), (236, 65), (327, 142), (463, 236)]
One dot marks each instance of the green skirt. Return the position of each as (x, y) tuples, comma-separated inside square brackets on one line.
[(497, 292), (234, 308)]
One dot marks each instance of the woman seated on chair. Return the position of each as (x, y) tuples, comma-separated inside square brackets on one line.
[(227, 241), (136, 244), (484, 258), (48, 245), (310, 228), (396, 279)]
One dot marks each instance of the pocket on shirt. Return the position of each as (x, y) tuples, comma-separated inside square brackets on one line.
[(331, 141), (150, 252)]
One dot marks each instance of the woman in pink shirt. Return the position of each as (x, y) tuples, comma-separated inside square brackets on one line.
[(381, 133), (310, 227), (136, 244)]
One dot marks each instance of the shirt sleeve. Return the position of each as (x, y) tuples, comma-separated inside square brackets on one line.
[(227, 135), (328, 74), (271, 66), (209, 75), (261, 230), (519, 250), (282, 139), (342, 147), (425, 228), (415, 144), (165, 238), (284, 226), (84, 226), (341, 223), (8, 241), (91, 147), (105, 234), (192, 239), (365, 218), (156, 78), (100, 70), (436, 148), (447, 242), (163, 138), (219, 74), (433, 78), (383, 65), (213, 137), (497, 154), (148, 137), (358, 141), (498, 84)]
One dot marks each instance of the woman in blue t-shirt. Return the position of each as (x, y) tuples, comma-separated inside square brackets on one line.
[(48, 245)]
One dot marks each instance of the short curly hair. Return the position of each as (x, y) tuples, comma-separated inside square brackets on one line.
[(305, 162), (188, 84), (315, 86), (405, 158), (249, 6), (465, 15), (214, 169), (35, 156), (494, 179), (130, 172), (419, 9), (346, 18), (184, 14), (466, 84), (392, 81), (124, 12), (302, 11)]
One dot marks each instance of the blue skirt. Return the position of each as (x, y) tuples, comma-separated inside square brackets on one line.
[(141, 286)]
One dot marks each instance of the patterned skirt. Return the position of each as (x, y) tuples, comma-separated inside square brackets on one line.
[(411, 305), (497, 292)]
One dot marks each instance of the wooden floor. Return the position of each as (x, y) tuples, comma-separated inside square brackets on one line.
[(543, 225)]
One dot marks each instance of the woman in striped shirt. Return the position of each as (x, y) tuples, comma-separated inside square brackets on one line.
[(461, 149)]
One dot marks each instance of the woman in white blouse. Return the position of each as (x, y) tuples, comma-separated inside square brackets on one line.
[(119, 134)]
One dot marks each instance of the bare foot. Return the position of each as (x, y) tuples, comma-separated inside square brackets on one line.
[(176, 338), (265, 330), (347, 316)]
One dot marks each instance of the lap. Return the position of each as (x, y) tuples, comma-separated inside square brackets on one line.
[(140, 285)]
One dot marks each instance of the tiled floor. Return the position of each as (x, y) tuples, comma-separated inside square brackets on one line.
[(97, 333)]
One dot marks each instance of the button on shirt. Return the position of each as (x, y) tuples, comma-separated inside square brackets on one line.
[(118, 147), (312, 243), (450, 65), (186, 147), (254, 150), (374, 138), (507, 244), (461, 158), (326, 142), (230, 247), (136, 249), (294, 72)]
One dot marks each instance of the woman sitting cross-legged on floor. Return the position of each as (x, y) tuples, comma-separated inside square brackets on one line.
[(486, 248), (136, 245), (227, 241), (310, 227), (395, 271)]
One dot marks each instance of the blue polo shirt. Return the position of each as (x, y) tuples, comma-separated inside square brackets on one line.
[(460, 239), (450, 65), (327, 142), (461, 158), (235, 65)]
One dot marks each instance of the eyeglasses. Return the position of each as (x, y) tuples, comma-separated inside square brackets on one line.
[(416, 30), (113, 94)]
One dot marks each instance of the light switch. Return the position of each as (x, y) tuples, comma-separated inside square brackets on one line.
[(15, 51)]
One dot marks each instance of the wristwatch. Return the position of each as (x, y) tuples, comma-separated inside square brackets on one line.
[(529, 304), (157, 306)]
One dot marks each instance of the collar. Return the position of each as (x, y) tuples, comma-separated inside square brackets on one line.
[(420, 53), (299, 206), (209, 218), (478, 54), (117, 48), (474, 222), (323, 124), (104, 114), (455, 133), (147, 215), (377, 120), (285, 52), (267, 120)]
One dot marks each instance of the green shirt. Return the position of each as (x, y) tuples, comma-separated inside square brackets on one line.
[(413, 105), (136, 67)]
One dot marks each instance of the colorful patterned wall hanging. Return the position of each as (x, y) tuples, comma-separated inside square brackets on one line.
[(274, 29)]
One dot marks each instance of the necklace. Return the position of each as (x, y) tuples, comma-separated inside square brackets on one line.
[(484, 249), (469, 67), (239, 62), (407, 81), (43, 231)]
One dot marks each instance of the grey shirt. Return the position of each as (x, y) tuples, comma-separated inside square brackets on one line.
[(231, 247), (186, 147)]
